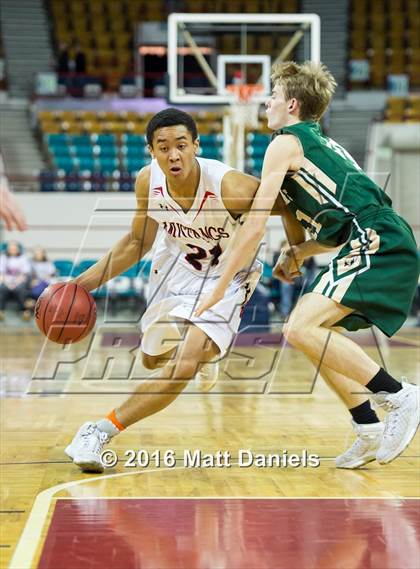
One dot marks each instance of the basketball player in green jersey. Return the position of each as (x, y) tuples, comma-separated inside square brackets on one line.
[(371, 280)]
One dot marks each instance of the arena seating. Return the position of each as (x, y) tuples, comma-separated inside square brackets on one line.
[(255, 150), (387, 35), (401, 109), (104, 30), (104, 151)]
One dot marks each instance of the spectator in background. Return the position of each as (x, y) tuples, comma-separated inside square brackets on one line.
[(42, 272), (15, 271), (79, 59), (63, 58)]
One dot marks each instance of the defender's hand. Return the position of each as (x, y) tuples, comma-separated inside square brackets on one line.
[(288, 264)]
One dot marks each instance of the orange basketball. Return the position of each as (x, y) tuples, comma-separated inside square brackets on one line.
[(65, 312)]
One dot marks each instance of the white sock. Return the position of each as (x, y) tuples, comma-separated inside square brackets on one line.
[(108, 427)]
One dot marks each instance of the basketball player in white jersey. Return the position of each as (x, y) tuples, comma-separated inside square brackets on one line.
[(188, 209)]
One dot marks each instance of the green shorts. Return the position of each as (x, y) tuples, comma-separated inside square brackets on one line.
[(375, 273)]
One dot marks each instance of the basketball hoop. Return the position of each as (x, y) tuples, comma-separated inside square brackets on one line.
[(244, 105)]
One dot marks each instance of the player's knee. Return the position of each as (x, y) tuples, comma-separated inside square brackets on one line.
[(150, 362)]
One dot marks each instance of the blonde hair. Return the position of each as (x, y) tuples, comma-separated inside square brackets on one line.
[(310, 83)]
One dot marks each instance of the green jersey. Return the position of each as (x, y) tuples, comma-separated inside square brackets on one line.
[(330, 193), (376, 270)]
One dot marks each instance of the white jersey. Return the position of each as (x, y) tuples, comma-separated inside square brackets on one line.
[(190, 252), (202, 237)]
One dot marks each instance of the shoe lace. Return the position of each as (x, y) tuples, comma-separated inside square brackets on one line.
[(103, 437), (96, 441), (391, 423), (355, 447), (388, 405), (204, 371), (360, 442)]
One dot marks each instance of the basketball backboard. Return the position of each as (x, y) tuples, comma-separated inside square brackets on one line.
[(207, 52)]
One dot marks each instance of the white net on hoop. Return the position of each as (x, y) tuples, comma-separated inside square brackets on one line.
[(244, 108)]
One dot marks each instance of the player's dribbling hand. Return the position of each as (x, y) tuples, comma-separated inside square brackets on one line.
[(288, 265), (208, 301)]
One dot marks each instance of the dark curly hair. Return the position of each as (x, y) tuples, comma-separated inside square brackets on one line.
[(170, 117)]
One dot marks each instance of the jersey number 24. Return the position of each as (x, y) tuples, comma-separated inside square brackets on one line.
[(199, 254)]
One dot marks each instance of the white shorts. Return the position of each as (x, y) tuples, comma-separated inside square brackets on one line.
[(174, 294)]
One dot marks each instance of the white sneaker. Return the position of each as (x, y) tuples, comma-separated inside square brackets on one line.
[(207, 377), (364, 448), (86, 448), (402, 420)]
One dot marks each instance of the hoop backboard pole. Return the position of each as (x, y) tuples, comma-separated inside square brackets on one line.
[(201, 60), (234, 144), (227, 140), (239, 137), (291, 44)]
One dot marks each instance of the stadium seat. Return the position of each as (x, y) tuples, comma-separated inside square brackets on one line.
[(64, 268), (211, 152), (47, 181), (57, 139), (73, 183), (61, 151), (108, 164), (82, 151), (85, 163), (140, 269), (80, 140), (65, 163), (104, 151), (133, 140), (83, 266), (104, 139), (134, 164), (134, 152)]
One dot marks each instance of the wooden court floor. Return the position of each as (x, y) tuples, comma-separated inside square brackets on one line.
[(267, 401)]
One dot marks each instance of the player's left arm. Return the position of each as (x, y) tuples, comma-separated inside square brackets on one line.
[(281, 156)]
